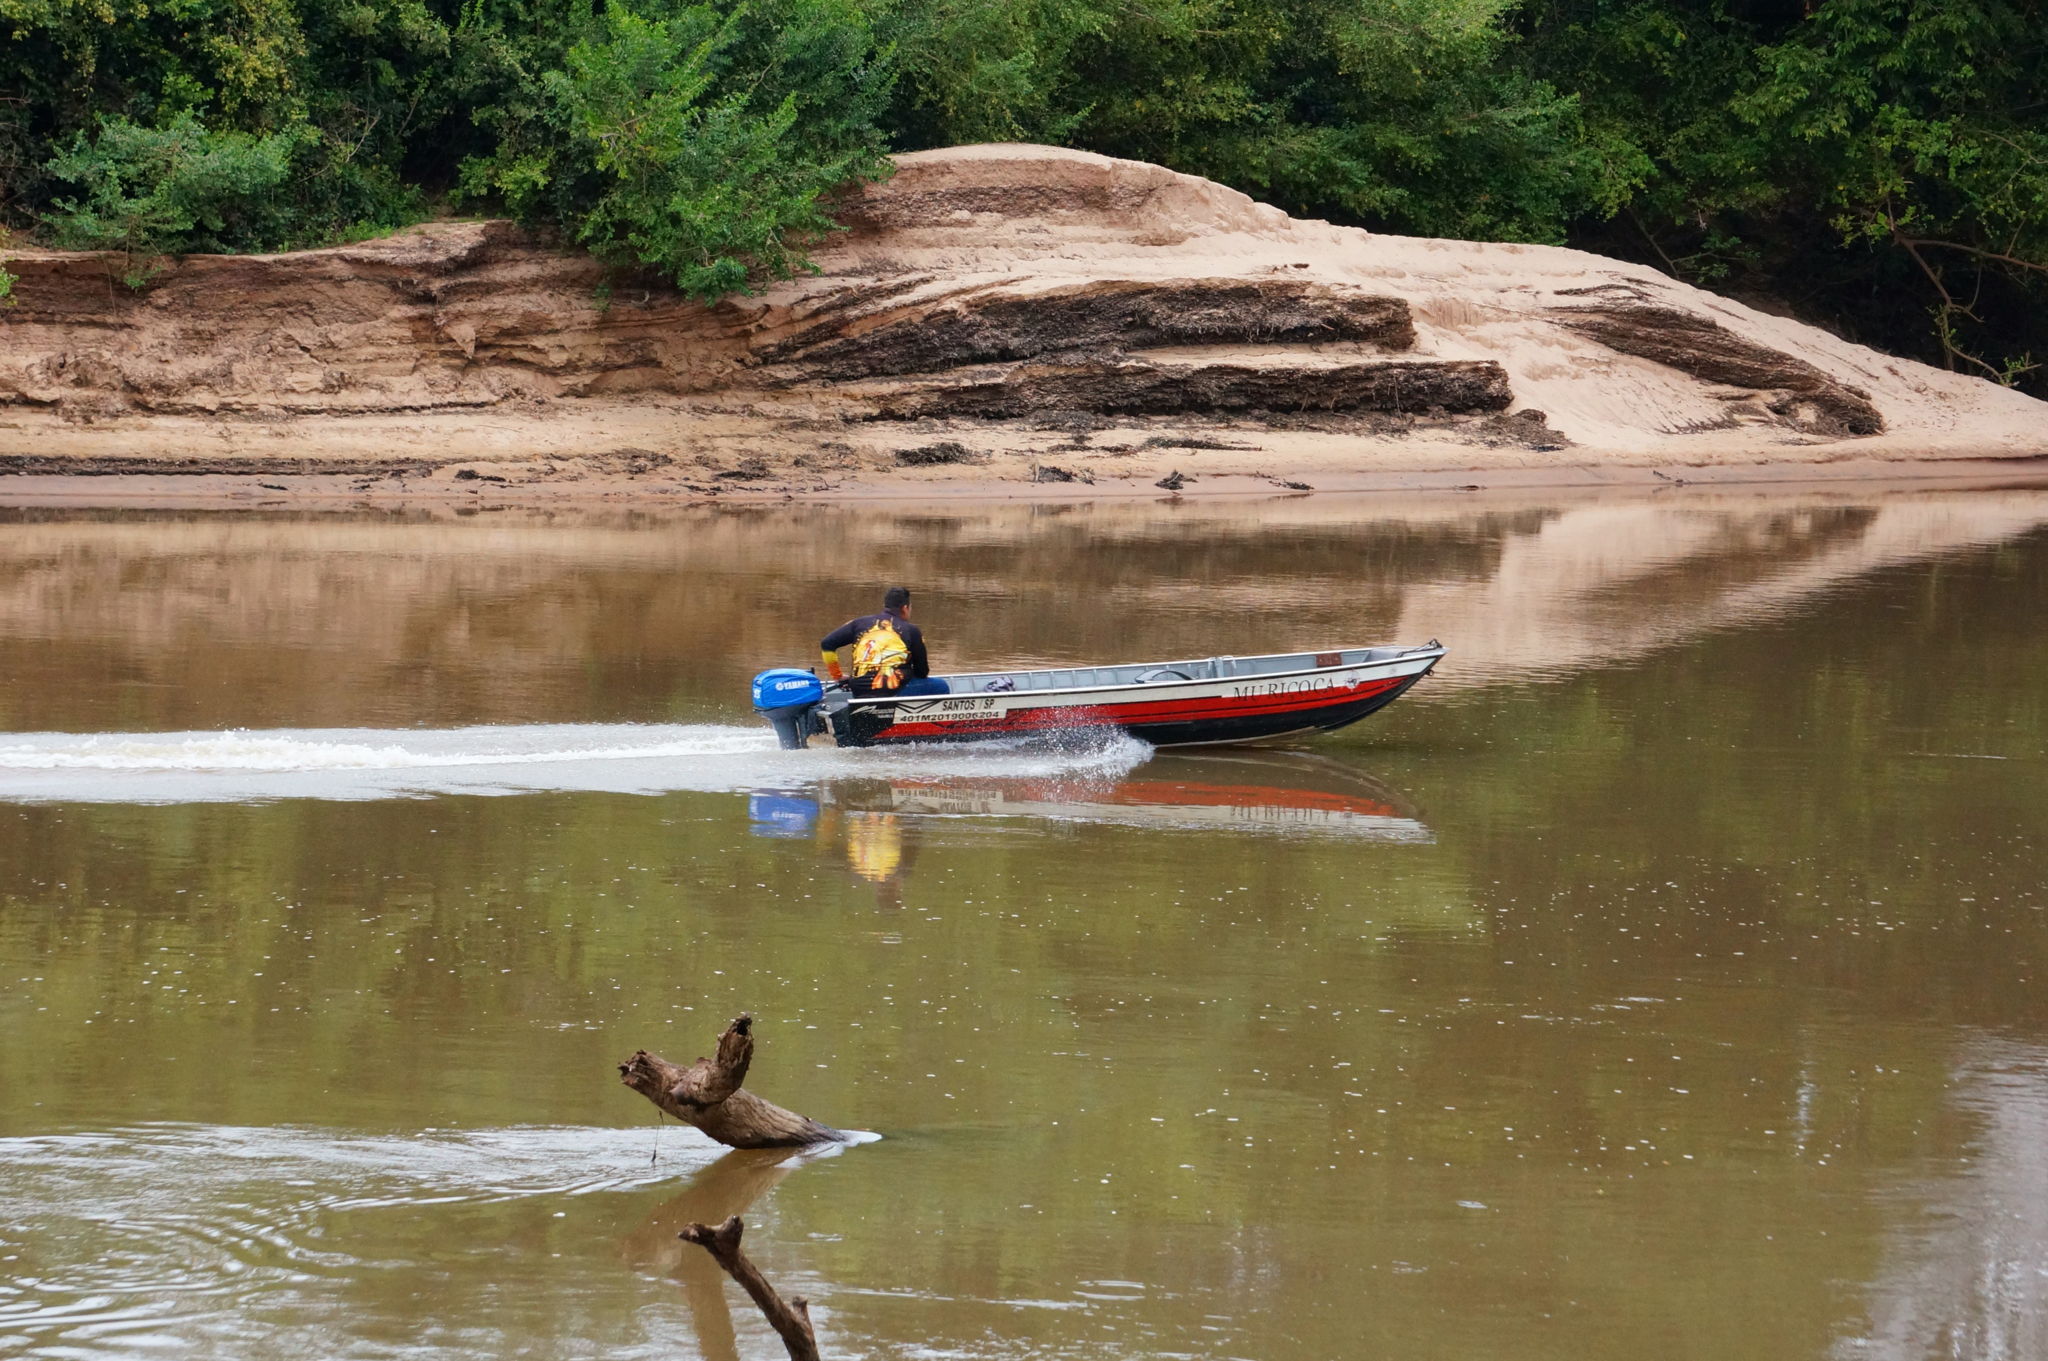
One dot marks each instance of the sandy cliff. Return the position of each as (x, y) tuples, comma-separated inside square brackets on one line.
[(993, 312)]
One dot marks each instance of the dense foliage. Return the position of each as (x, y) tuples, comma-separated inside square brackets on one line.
[(1879, 165)]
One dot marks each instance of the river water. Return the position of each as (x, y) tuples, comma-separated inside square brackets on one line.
[(1663, 977)]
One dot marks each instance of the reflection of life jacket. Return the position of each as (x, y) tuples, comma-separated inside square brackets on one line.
[(881, 654), (874, 846)]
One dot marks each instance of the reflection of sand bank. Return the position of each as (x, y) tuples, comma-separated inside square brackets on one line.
[(167, 621), (1971, 1280), (1605, 582)]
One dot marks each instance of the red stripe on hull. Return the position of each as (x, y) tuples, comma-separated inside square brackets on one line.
[(1144, 713)]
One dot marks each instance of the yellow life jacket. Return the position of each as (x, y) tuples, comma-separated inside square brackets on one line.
[(882, 654)]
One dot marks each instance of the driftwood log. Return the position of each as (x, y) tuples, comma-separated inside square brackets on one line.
[(708, 1095), (791, 1318)]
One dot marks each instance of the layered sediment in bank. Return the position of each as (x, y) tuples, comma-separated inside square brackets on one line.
[(1049, 315)]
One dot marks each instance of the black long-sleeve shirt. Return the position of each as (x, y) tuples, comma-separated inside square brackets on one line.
[(913, 638)]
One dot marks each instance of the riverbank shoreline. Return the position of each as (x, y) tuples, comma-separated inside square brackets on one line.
[(291, 486)]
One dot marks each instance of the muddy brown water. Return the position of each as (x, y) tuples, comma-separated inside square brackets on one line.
[(1662, 978)]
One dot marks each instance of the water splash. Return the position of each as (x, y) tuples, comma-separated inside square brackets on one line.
[(369, 763)]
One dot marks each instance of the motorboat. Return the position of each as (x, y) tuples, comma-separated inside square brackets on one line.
[(1165, 704)]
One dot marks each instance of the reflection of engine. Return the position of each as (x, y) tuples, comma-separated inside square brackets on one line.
[(874, 840), (773, 813)]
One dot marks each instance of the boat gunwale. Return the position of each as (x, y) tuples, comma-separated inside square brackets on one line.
[(1436, 650)]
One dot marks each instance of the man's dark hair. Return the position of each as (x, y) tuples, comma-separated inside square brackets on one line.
[(896, 597)]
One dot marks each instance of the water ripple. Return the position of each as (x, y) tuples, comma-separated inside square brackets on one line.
[(125, 1241)]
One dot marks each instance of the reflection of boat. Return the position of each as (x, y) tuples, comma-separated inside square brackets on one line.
[(880, 825), (1188, 703), (1295, 792)]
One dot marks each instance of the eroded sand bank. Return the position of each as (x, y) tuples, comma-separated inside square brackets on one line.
[(997, 318)]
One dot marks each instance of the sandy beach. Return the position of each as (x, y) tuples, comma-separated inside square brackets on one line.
[(569, 484)]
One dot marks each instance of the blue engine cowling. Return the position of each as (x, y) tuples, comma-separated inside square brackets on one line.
[(784, 686), (789, 699)]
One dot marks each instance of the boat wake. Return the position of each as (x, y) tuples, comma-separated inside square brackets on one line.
[(369, 763)]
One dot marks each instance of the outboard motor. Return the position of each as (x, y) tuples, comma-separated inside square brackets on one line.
[(789, 700)]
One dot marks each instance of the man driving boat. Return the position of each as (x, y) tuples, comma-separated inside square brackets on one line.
[(888, 652)]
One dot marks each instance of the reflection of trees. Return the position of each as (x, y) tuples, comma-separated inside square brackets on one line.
[(1970, 1278)]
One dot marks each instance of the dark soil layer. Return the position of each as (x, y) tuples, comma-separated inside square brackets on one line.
[(1114, 315), (1791, 389), (1457, 386)]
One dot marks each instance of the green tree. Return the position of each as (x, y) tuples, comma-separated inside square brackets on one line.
[(1915, 126), (1410, 115), (1404, 114), (996, 70), (314, 75), (698, 142), (1879, 164)]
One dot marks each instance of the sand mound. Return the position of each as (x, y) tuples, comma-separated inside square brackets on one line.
[(1618, 356), (989, 293)]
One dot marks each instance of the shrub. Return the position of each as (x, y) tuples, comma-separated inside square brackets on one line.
[(696, 142), (151, 192)]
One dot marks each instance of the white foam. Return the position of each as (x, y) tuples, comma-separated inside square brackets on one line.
[(242, 750), (369, 763)]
